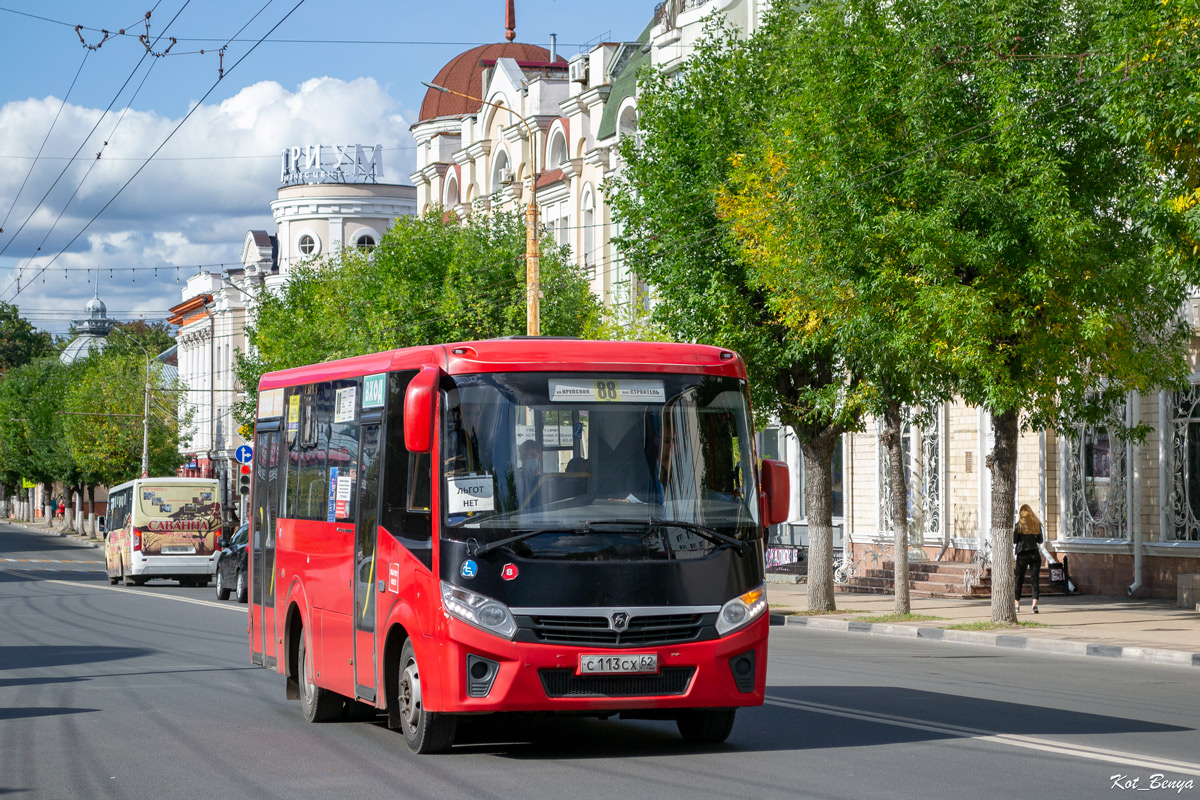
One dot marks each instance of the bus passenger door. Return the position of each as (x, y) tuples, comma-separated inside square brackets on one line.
[(366, 573), (265, 508)]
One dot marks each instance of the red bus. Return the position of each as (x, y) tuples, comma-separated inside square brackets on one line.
[(522, 524)]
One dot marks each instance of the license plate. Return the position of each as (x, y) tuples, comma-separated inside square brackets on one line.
[(177, 550), (618, 664)]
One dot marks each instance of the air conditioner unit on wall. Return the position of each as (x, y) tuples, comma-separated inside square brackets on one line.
[(577, 70), (505, 175)]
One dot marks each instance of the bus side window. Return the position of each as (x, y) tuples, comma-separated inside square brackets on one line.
[(419, 498), (411, 525)]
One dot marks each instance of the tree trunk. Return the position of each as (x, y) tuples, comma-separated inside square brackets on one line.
[(79, 509), (91, 511), (892, 443), (48, 507), (1002, 461), (818, 501)]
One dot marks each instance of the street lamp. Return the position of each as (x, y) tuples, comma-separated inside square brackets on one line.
[(533, 251)]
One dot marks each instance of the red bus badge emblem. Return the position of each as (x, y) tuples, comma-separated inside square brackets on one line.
[(509, 572)]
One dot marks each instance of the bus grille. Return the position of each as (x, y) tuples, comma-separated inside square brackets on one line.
[(642, 631), (565, 683)]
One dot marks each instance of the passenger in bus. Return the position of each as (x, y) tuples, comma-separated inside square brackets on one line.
[(530, 470)]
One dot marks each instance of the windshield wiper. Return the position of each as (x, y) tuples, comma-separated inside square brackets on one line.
[(707, 533), (520, 537)]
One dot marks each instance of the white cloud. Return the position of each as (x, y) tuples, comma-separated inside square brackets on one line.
[(192, 204)]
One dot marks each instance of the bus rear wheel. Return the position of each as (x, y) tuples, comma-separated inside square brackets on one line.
[(424, 731), (318, 705), (706, 725)]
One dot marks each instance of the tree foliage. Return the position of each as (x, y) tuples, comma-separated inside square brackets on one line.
[(32, 446), (20, 342), (706, 287), (884, 202), (429, 280), (103, 423)]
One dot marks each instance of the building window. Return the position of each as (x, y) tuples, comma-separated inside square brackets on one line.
[(778, 443), (921, 444), (308, 244), (558, 152), (365, 243), (1096, 481), (1183, 504)]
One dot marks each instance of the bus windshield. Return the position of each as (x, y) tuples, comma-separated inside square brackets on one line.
[(598, 467)]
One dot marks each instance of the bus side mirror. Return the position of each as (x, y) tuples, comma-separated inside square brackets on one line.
[(777, 490), (420, 403)]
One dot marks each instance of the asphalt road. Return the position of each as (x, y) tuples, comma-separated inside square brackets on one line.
[(148, 692)]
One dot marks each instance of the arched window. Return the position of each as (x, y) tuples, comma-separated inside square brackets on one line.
[(587, 221), (366, 242), (502, 172), (452, 197), (627, 121), (557, 153)]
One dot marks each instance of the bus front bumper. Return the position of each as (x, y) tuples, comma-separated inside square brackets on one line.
[(485, 673)]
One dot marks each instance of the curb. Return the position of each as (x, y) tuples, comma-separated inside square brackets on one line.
[(1033, 644)]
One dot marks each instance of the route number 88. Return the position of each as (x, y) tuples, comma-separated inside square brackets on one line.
[(606, 391)]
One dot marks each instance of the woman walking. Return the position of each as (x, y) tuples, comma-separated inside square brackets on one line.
[(1027, 535)]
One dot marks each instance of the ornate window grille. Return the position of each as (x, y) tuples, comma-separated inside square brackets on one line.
[(1183, 505), (921, 437), (1097, 481)]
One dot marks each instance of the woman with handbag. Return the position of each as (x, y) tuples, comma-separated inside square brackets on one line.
[(1027, 536)]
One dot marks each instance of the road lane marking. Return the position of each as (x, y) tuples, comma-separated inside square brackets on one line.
[(1009, 739), (240, 607)]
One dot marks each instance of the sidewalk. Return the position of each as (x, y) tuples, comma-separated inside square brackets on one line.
[(1145, 630), (57, 529)]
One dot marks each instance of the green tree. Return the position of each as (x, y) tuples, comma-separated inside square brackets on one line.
[(20, 342), (946, 173), (429, 280), (103, 425), (31, 424), (706, 287)]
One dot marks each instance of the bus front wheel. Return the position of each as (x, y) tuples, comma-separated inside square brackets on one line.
[(706, 725), (319, 705), (424, 731)]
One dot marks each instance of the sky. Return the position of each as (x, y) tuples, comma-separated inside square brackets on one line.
[(325, 72)]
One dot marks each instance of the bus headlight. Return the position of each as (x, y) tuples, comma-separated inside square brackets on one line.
[(741, 611), (478, 610)]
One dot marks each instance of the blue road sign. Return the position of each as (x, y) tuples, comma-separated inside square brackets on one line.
[(244, 454)]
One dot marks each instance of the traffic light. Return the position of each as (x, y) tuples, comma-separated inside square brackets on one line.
[(244, 480)]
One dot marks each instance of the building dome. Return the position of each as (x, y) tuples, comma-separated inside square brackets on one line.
[(95, 308), (464, 74), (92, 330)]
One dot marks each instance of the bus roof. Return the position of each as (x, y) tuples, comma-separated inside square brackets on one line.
[(524, 354), (165, 479)]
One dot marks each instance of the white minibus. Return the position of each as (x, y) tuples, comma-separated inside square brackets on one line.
[(162, 528)]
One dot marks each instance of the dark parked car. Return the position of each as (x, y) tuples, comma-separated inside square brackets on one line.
[(231, 565)]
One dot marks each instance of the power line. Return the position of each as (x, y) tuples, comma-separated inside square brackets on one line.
[(198, 104), (42, 146)]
